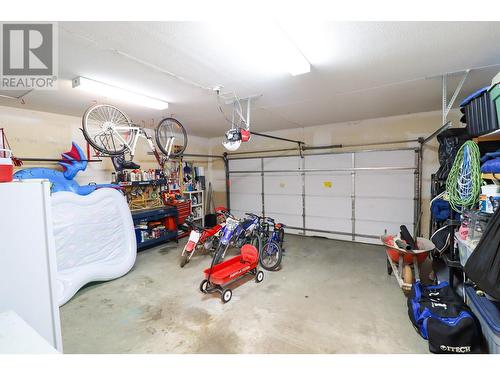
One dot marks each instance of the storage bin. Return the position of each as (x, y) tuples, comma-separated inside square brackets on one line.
[(495, 99), (488, 314), (465, 249), (480, 113)]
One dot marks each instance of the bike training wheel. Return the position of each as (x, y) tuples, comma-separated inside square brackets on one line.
[(270, 256), (167, 128), (99, 124)]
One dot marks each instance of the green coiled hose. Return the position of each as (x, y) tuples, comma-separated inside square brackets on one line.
[(463, 184)]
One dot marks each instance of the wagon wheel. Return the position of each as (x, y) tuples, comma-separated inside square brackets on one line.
[(203, 286), (226, 295), (389, 267), (259, 277)]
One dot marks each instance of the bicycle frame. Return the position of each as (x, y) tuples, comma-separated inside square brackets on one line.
[(232, 226), (139, 132)]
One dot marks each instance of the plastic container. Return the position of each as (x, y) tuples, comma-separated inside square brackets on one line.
[(488, 314), (480, 113), (495, 98), (6, 165), (465, 249)]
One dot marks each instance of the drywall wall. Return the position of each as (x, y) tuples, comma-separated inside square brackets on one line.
[(392, 128), (35, 134)]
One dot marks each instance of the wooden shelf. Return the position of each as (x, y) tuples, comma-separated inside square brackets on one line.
[(490, 176), (490, 137)]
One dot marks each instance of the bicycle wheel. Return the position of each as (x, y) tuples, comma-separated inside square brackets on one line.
[(270, 256), (220, 253), (255, 240), (107, 129), (171, 137)]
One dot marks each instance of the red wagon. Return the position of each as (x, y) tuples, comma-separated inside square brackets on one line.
[(226, 272)]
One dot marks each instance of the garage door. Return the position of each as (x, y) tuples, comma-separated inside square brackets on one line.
[(348, 196)]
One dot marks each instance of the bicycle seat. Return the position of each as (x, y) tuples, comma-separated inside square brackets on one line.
[(211, 231), (279, 225), (129, 164)]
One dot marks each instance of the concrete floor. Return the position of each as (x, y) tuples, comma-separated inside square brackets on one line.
[(329, 297)]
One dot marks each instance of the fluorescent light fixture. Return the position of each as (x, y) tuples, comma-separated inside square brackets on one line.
[(104, 89), (263, 47)]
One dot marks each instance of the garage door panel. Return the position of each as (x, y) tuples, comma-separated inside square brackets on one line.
[(283, 204), (377, 228), (387, 210), (328, 184), (291, 162), (400, 158), (398, 184), (332, 161), (250, 184), (291, 220), (328, 207), (245, 193), (245, 165), (283, 184), (329, 224), (246, 202)]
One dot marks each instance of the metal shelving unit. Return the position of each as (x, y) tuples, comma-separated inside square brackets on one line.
[(198, 208)]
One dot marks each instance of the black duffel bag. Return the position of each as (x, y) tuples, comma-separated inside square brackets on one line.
[(440, 316), (483, 266)]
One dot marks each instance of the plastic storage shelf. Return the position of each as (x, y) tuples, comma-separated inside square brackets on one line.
[(480, 113), (495, 98), (154, 215), (488, 313)]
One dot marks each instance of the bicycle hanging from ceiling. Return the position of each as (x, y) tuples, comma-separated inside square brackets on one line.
[(109, 130)]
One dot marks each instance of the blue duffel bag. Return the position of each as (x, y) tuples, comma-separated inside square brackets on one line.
[(440, 316)]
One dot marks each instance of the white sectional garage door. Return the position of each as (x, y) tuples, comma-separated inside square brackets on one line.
[(347, 196)]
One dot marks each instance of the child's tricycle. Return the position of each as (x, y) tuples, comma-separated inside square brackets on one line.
[(219, 275)]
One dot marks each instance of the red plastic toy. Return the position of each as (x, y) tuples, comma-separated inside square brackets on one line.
[(223, 273)]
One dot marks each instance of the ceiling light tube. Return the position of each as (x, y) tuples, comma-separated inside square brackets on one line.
[(104, 89)]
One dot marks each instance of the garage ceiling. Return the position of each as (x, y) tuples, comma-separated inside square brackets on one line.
[(359, 70)]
